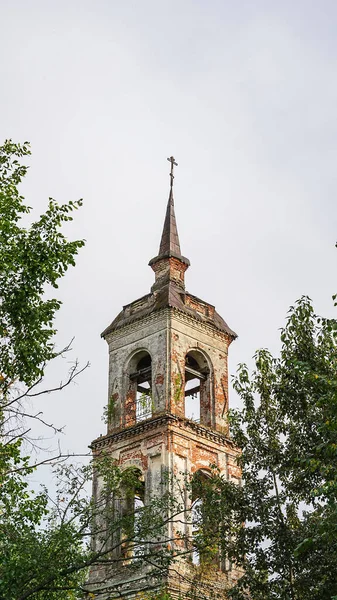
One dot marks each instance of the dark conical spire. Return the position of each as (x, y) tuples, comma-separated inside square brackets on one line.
[(169, 244)]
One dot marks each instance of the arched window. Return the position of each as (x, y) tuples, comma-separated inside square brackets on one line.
[(138, 508), (141, 385), (200, 478), (204, 523), (197, 388), (133, 496), (196, 511)]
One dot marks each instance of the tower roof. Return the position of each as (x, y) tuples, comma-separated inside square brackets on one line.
[(168, 290), (169, 243), (170, 297)]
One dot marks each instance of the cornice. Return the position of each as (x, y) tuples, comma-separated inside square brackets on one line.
[(135, 325), (167, 420), (158, 315), (200, 325)]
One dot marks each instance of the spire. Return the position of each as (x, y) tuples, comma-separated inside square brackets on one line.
[(169, 245)]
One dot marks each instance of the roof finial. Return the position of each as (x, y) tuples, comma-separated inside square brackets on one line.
[(173, 163)]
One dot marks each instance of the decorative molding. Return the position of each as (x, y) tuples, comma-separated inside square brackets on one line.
[(165, 312), (200, 325), (166, 419), (137, 324)]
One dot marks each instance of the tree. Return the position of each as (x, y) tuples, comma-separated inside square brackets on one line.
[(287, 431), (45, 543), (31, 258)]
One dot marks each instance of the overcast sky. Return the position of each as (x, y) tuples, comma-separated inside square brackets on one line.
[(243, 94)]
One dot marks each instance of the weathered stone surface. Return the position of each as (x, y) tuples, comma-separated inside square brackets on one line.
[(157, 332)]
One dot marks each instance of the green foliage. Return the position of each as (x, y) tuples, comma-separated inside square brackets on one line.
[(109, 410), (48, 544), (30, 259), (145, 401), (178, 383), (38, 544), (47, 547), (287, 431)]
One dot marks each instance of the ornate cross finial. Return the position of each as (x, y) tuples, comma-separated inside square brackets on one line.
[(173, 163)]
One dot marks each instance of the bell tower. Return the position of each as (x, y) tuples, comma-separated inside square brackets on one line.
[(168, 395)]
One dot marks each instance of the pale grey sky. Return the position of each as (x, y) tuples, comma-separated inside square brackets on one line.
[(243, 94)]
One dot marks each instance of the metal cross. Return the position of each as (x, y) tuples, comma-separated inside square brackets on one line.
[(173, 163)]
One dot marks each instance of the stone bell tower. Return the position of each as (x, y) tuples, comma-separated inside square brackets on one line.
[(168, 397)]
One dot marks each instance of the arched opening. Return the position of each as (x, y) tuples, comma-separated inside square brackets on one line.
[(196, 387), (138, 508), (199, 539), (141, 384), (205, 521), (133, 492), (196, 509)]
